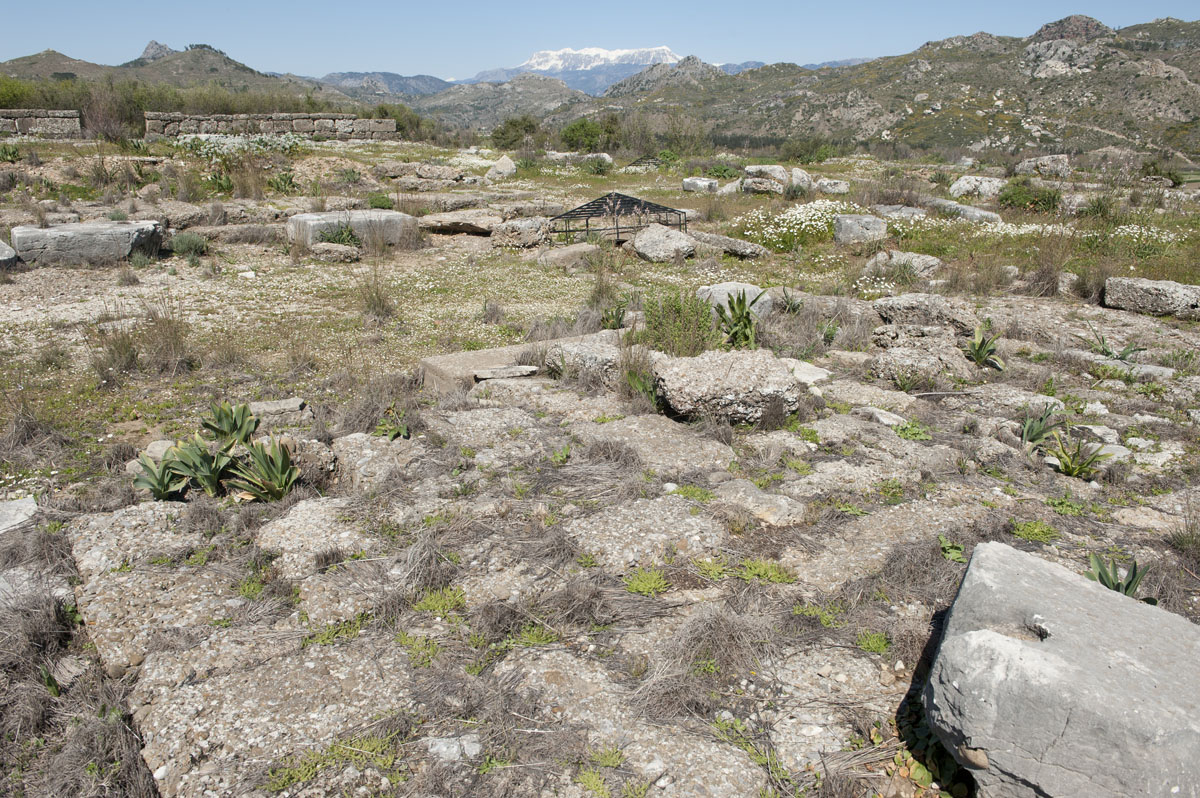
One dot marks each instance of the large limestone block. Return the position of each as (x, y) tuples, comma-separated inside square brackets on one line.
[(659, 244), (1048, 684), (737, 385), (505, 167), (705, 185), (85, 242), (772, 172), (973, 185), (856, 228), (1153, 297), (8, 256), (394, 227), (1046, 166), (747, 250)]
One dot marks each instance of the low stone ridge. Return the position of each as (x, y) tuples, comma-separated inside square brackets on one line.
[(1042, 675), (471, 221), (828, 185), (771, 172), (40, 122), (522, 233), (737, 247), (857, 228), (762, 185), (659, 244), (391, 227), (922, 266), (1153, 297), (968, 212), (84, 243), (737, 385), (568, 258), (343, 127)]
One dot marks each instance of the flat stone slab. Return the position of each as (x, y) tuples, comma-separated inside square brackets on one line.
[(106, 542), (392, 227), (475, 222), (214, 719), (638, 533), (282, 412), (99, 242), (447, 373), (737, 247), (308, 529), (854, 228), (16, 512), (1047, 683), (504, 372), (368, 460), (662, 444), (737, 385)]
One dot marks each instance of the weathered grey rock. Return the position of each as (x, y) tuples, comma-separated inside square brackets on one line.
[(281, 412), (568, 258), (770, 508), (855, 228), (368, 460), (899, 212), (737, 385), (802, 180), (769, 172), (732, 246), (660, 443), (503, 168), (504, 373), (307, 530), (639, 532), (877, 415), (522, 233), (96, 242), (659, 244), (334, 253), (926, 309), (968, 212), (20, 582), (474, 221), (915, 351), (829, 186), (390, 227), (721, 293), (1046, 166), (732, 187), (8, 256), (598, 356), (15, 512), (762, 185), (1153, 297), (1047, 683), (705, 185), (975, 186), (923, 266)]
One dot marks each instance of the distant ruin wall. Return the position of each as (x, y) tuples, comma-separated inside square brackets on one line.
[(333, 126), (40, 122)]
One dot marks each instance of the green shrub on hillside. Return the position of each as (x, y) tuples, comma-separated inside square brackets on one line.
[(1023, 195)]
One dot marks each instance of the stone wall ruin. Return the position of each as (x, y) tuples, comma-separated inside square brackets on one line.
[(40, 122), (317, 125)]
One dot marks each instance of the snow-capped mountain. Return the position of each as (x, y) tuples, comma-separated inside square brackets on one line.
[(589, 69), (592, 57)]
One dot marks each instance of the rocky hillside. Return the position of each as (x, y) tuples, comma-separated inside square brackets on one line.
[(197, 66), (1074, 84), (382, 83), (690, 72), (484, 105)]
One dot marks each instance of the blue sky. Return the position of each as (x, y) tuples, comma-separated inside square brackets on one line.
[(458, 39)]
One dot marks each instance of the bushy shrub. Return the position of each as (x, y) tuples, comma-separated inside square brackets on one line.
[(809, 150), (514, 131), (1023, 195), (189, 244), (382, 201), (582, 135), (679, 324)]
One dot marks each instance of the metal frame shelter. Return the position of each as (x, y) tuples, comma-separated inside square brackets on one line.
[(614, 214)]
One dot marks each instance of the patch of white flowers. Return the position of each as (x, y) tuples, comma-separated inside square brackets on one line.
[(873, 286), (795, 225), (1134, 233)]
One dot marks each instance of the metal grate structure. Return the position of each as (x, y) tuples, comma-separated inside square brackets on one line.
[(616, 214), (646, 160)]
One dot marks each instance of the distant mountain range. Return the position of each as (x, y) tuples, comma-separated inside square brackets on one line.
[(1073, 84)]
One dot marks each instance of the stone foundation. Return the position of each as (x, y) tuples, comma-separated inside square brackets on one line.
[(333, 126), (40, 122)]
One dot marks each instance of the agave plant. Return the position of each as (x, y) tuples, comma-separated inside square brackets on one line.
[(982, 350), (1100, 345), (194, 461), (1079, 460), (158, 478), (268, 475), (737, 321), (1108, 575), (229, 424), (1035, 429)]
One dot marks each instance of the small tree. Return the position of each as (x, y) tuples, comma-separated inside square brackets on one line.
[(582, 135), (513, 132)]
